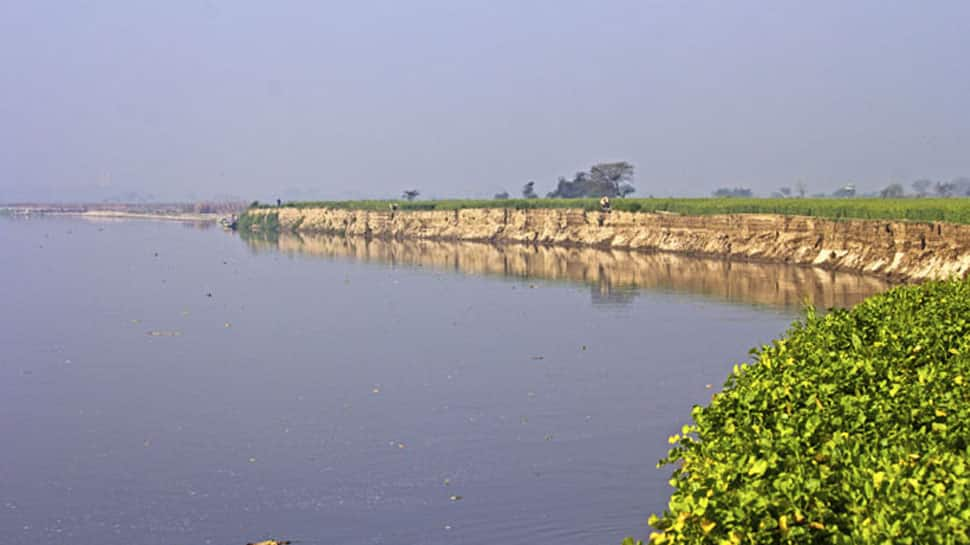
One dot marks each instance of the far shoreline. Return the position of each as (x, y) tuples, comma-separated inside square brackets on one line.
[(142, 213), (110, 214)]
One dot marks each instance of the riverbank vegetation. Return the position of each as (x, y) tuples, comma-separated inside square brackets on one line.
[(853, 428), (269, 221), (953, 210)]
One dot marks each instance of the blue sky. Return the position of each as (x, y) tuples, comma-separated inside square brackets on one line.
[(201, 99)]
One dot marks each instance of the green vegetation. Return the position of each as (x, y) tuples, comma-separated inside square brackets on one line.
[(942, 209), (854, 428), (609, 179), (262, 222)]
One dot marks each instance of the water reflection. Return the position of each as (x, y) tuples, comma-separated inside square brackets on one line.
[(330, 400), (614, 276)]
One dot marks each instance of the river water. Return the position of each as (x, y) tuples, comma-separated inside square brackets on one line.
[(166, 384)]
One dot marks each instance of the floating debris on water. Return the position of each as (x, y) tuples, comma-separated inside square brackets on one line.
[(455, 498), (156, 333), (538, 357), (270, 542)]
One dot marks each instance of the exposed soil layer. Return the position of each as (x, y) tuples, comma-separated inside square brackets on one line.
[(907, 251)]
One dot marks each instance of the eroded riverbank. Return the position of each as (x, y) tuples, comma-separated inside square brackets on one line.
[(907, 251)]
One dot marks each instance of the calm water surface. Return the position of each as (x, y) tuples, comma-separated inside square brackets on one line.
[(163, 384)]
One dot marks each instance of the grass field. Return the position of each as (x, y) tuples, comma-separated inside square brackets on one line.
[(954, 210)]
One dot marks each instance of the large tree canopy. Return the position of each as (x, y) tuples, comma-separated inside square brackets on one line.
[(603, 179)]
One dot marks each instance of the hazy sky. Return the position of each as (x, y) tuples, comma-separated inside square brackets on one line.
[(258, 99)]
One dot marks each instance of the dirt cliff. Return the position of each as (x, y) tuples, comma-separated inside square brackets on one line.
[(898, 250)]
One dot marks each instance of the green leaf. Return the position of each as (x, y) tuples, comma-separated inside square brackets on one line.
[(758, 468)]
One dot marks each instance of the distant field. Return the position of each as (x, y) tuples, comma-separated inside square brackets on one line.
[(954, 210)]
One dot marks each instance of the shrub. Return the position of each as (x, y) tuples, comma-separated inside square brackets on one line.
[(269, 221), (854, 428)]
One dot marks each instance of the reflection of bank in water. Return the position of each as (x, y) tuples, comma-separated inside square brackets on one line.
[(606, 294), (614, 275)]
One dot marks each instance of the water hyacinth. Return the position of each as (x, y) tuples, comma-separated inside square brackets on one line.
[(853, 428)]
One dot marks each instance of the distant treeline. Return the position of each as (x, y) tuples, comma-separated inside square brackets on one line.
[(923, 187)]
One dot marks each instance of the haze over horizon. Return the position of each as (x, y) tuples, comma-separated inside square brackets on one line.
[(192, 100)]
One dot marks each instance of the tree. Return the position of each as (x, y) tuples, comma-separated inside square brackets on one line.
[(603, 179), (579, 186), (529, 190), (800, 188), (785, 191), (892, 191), (732, 192), (922, 186), (846, 191), (611, 176), (501, 196), (410, 194), (944, 189), (961, 186)]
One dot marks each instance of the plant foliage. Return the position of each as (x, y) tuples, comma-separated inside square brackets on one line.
[(603, 179), (854, 428), (269, 221)]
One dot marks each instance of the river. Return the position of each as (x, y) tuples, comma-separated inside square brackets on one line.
[(164, 383)]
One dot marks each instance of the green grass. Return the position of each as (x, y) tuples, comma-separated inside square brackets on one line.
[(853, 428), (953, 210)]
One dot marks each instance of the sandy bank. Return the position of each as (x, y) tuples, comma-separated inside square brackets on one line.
[(909, 251), (94, 214)]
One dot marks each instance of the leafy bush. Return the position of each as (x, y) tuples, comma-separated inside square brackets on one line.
[(854, 428), (263, 222)]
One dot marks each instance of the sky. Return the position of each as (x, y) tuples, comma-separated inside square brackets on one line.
[(203, 99)]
